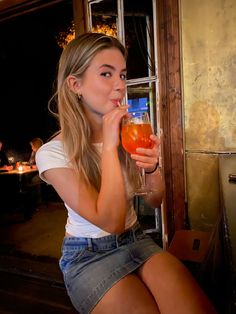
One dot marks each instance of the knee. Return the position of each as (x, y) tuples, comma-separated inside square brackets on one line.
[(167, 263)]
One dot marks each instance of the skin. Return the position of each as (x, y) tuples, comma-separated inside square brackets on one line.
[(162, 284)]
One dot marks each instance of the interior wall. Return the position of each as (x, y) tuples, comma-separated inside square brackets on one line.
[(209, 101)]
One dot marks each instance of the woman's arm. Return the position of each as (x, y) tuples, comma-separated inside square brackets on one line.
[(106, 208), (154, 182)]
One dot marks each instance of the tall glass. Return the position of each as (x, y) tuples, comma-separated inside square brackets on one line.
[(135, 132)]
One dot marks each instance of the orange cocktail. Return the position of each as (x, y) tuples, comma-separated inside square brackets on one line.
[(136, 135)]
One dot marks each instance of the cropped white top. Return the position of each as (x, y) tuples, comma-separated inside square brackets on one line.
[(52, 155)]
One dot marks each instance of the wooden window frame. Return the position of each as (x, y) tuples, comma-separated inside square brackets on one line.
[(171, 115)]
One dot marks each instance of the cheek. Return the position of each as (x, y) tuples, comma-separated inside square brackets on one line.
[(94, 96), (97, 89)]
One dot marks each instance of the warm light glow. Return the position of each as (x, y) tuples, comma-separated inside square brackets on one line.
[(20, 168), (106, 29), (66, 36)]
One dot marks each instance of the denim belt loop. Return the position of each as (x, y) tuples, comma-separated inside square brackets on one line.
[(90, 244), (117, 241), (134, 233)]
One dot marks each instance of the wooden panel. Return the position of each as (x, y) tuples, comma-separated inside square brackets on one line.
[(80, 11), (171, 114), (190, 245), (5, 4), (11, 9)]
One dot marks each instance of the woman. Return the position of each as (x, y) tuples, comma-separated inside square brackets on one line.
[(109, 264)]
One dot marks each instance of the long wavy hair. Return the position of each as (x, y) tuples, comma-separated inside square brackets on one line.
[(74, 125)]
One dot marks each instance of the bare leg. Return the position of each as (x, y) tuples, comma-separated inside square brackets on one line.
[(129, 295), (173, 286)]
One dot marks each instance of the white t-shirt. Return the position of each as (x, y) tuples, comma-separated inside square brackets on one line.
[(52, 155)]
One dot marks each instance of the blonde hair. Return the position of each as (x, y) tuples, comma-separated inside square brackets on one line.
[(36, 142), (74, 125)]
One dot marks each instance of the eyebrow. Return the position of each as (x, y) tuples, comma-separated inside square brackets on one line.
[(111, 67)]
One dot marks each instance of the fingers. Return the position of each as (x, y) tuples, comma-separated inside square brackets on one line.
[(146, 161), (148, 158), (153, 152), (115, 114), (113, 119), (111, 126), (155, 139)]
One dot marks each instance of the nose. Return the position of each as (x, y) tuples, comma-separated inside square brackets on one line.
[(119, 84)]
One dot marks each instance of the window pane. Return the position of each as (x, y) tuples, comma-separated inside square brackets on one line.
[(142, 98), (104, 17), (139, 38)]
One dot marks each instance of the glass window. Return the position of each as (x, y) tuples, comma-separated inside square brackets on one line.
[(139, 39), (132, 22), (142, 97), (104, 17)]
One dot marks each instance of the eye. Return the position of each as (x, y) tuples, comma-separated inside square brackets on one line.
[(106, 74), (123, 76)]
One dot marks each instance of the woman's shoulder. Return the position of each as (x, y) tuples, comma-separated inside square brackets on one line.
[(52, 149), (51, 155), (53, 144)]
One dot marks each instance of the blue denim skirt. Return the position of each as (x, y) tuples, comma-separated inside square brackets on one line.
[(91, 267)]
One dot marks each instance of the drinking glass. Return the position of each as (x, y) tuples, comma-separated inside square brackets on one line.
[(135, 132)]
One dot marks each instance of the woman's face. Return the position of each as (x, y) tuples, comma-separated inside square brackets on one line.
[(103, 84)]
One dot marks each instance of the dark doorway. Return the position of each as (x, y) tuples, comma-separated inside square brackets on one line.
[(28, 61)]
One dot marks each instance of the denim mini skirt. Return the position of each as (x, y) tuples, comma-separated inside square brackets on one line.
[(91, 266)]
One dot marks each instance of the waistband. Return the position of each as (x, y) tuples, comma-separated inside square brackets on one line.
[(104, 243)]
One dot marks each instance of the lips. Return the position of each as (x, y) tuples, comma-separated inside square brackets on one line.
[(116, 102)]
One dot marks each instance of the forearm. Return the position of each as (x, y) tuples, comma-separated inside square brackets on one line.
[(112, 201), (154, 182)]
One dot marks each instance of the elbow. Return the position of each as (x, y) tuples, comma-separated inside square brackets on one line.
[(154, 200), (154, 203), (118, 230), (115, 228)]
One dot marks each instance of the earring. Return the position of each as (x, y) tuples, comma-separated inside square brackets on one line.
[(79, 96)]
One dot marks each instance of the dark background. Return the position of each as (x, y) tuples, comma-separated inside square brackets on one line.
[(29, 55)]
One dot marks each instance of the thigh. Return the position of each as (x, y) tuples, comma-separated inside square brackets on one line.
[(173, 286), (129, 295)]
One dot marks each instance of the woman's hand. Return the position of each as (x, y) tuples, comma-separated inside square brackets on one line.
[(148, 158), (111, 126)]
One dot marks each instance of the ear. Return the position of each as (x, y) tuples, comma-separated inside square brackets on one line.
[(73, 83)]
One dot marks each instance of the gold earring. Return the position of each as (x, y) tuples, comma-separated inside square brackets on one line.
[(79, 96)]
